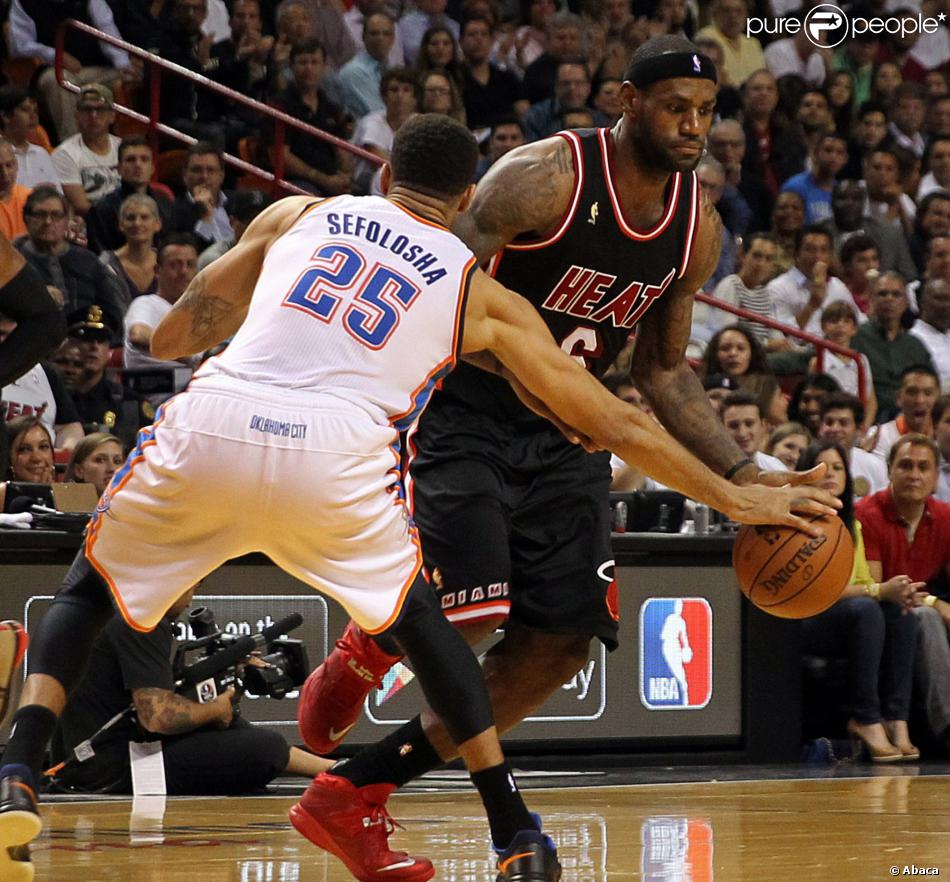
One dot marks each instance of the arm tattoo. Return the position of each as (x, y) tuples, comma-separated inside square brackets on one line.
[(525, 193), (659, 365), (166, 713), (207, 310)]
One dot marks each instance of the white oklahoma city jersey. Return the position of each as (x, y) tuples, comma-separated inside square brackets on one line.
[(359, 299), (287, 443)]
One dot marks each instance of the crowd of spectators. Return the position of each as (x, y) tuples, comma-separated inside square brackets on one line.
[(830, 169)]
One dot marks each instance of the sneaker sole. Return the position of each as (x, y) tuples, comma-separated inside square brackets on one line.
[(311, 829), (17, 828)]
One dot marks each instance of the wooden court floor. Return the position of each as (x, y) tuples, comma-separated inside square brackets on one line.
[(845, 830)]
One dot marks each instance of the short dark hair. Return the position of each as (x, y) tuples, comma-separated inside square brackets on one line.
[(507, 120), (914, 440), (833, 136), (837, 310), (572, 62), (855, 245), (476, 17), (41, 194), (434, 154), (133, 141), (402, 75), (177, 239), (203, 148), (869, 107), (310, 46), (11, 97), (740, 399), (919, 369), (843, 401), (762, 236), (909, 90), (659, 46), (811, 230)]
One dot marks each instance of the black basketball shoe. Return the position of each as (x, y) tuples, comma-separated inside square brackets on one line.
[(19, 825), (531, 857)]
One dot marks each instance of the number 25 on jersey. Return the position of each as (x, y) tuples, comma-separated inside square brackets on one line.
[(378, 294)]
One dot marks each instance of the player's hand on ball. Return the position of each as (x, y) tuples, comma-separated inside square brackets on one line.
[(784, 479), (758, 504)]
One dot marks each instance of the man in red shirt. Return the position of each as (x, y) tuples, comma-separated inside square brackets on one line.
[(907, 530)]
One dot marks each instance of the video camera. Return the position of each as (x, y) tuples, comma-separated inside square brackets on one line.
[(224, 662)]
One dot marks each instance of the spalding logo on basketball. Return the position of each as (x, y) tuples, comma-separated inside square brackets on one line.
[(790, 574)]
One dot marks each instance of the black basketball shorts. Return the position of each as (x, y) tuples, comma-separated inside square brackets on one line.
[(514, 524)]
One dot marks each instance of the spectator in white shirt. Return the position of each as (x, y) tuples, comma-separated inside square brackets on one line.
[(354, 18), (938, 164), (886, 197), (908, 114), (745, 289), (402, 95), (933, 326), (941, 421), (742, 417), (32, 35), (18, 119), (842, 421), (839, 324), (800, 294), (799, 56), (177, 266), (916, 397), (88, 162)]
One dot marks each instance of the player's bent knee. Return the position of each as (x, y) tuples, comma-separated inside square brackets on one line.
[(475, 632), (551, 657)]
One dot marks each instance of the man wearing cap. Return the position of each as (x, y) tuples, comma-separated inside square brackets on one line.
[(103, 405), (242, 208), (87, 162)]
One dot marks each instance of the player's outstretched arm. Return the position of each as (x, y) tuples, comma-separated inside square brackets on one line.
[(214, 305), (508, 326)]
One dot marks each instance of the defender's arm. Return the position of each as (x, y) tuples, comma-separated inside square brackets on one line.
[(507, 325), (214, 305)]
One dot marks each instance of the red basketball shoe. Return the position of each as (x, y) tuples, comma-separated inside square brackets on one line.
[(331, 699), (353, 824)]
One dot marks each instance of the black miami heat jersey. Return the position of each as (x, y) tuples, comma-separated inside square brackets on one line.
[(593, 278)]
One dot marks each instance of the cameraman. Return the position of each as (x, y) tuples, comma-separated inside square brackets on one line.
[(206, 748)]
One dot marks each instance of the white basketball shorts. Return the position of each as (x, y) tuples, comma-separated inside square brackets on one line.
[(229, 468)]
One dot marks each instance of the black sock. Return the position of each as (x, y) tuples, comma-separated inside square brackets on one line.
[(507, 813), (397, 759), (33, 727)]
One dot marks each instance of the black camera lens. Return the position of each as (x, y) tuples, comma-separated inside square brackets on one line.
[(201, 620)]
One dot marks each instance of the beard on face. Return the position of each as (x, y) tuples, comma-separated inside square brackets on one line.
[(656, 155)]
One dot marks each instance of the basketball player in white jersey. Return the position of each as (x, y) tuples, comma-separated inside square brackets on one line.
[(344, 315)]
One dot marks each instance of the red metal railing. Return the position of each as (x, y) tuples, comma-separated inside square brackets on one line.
[(818, 342), (156, 64)]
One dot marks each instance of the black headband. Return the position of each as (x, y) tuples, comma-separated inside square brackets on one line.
[(671, 65)]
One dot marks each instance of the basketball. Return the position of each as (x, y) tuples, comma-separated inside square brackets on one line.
[(792, 575)]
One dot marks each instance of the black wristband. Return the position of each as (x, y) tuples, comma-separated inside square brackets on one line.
[(738, 467)]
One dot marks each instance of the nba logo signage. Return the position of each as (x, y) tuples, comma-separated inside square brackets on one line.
[(675, 653)]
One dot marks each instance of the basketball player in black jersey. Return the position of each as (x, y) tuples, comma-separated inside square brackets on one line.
[(604, 231)]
